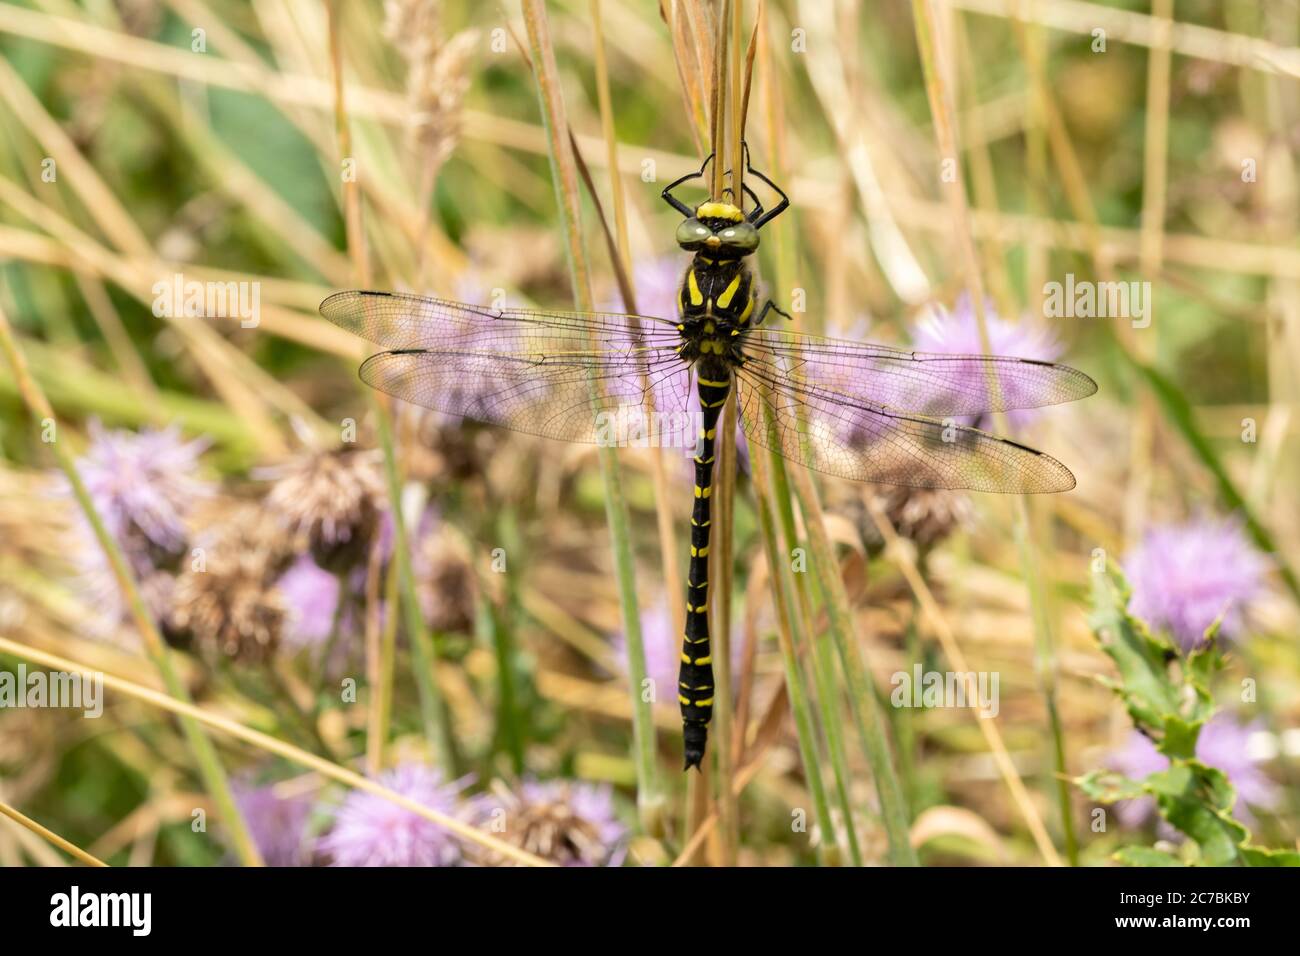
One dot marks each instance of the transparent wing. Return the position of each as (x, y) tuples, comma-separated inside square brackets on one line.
[(594, 377), (830, 432), (927, 382), (399, 321)]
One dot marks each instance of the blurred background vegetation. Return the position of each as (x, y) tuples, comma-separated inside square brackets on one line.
[(147, 138)]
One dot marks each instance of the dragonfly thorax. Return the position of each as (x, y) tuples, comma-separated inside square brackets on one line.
[(720, 289), (716, 304)]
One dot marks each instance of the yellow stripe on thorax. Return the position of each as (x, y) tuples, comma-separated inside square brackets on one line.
[(697, 297), (724, 300), (744, 316)]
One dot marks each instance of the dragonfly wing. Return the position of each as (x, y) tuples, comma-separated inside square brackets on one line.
[(400, 321), (593, 397), (576, 376), (823, 430), (927, 382)]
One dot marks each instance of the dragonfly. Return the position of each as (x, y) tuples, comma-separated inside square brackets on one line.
[(854, 410)]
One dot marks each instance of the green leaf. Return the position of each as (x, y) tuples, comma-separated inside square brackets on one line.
[(1197, 800), (1141, 657), (1171, 706), (1145, 856), (1261, 856), (1199, 670), (1106, 786), (1179, 741)]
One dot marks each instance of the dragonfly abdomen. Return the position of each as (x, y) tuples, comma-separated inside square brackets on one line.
[(695, 690)]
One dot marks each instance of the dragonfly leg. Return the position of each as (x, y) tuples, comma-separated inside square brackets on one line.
[(771, 306), (758, 217), (668, 197)]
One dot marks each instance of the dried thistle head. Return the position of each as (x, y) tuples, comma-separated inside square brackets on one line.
[(924, 516), (566, 822), (332, 501), (447, 585), (927, 516), (438, 449), (226, 599), (231, 610)]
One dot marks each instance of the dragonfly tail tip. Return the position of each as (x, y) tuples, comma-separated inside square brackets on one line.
[(694, 737)]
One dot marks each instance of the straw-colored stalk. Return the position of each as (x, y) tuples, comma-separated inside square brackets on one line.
[(871, 727), (49, 835), (668, 555), (294, 90), (1031, 524), (424, 650), (926, 19), (546, 74), (729, 131), (770, 486), (1155, 153)]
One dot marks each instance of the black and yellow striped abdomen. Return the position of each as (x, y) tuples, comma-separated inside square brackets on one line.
[(717, 303), (695, 678)]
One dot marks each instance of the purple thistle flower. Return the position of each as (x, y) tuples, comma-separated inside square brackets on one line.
[(957, 333), (278, 825), (1184, 576), (369, 830), (144, 485), (662, 646), (311, 596), (471, 288), (1222, 744)]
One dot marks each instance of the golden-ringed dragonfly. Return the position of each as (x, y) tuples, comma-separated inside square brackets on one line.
[(850, 409)]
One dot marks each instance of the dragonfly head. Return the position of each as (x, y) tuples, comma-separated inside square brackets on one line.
[(720, 229)]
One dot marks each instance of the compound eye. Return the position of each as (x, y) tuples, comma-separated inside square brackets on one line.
[(742, 236), (691, 233)]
